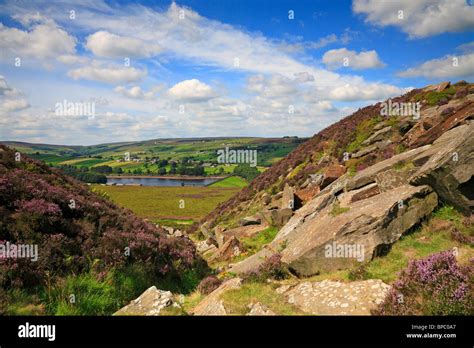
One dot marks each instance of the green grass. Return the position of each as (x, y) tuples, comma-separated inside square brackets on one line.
[(158, 203), (236, 301), (255, 243), (434, 97), (232, 181), (363, 132), (425, 241), (337, 209)]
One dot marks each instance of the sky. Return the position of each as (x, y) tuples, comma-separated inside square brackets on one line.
[(195, 68)]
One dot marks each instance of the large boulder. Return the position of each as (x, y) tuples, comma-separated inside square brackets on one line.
[(212, 303), (449, 171), (288, 198), (151, 302), (381, 134), (364, 230), (332, 173)]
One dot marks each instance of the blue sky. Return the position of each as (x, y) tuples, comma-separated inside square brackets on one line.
[(217, 67)]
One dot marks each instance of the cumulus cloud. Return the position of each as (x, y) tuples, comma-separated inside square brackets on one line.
[(137, 92), (11, 99), (446, 67), (335, 59), (419, 18), (191, 91), (370, 92), (108, 45), (42, 41), (108, 74)]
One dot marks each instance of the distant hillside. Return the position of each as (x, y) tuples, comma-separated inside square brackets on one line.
[(156, 156)]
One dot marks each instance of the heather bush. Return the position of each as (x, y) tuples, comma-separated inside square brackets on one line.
[(75, 228), (271, 268), (209, 284), (436, 285)]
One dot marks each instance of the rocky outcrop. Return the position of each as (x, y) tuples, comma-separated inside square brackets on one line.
[(449, 171), (259, 309), (212, 304), (151, 302), (337, 298), (377, 136), (288, 198)]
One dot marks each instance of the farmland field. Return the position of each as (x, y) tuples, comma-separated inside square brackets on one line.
[(168, 204)]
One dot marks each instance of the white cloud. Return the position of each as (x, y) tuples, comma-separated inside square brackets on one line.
[(368, 92), (191, 91), (11, 99), (421, 18), (137, 92), (108, 45), (446, 67), (335, 59), (43, 41), (108, 74), (15, 104)]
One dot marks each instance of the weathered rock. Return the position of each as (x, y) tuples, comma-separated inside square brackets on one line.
[(244, 231), (220, 236), (449, 171), (464, 112), (364, 192), (367, 175), (288, 198), (281, 216), (204, 246), (392, 178), (369, 225), (151, 302), (212, 304), (250, 220), (310, 209), (229, 249), (332, 173), (377, 136), (266, 198), (307, 193), (337, 298), (316, 179), (205, 231), (259, 309), (364, 152)]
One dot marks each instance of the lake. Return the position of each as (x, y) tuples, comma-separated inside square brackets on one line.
[(160, 181)]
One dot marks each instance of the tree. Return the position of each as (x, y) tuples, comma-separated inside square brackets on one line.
[(246, 171)]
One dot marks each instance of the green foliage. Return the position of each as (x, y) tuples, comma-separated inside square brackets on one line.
[(232, 181), (363, 132), (246, 171), (434, 97), (337, 209), (255, 243), (448, 213), (236, 301)]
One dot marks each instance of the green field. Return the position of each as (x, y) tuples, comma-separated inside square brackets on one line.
[(164, 204), (232, 181), (197, 150)]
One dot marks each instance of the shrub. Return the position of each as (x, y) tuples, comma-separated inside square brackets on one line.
[(209, 284), (436, 285), (271, 268)]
